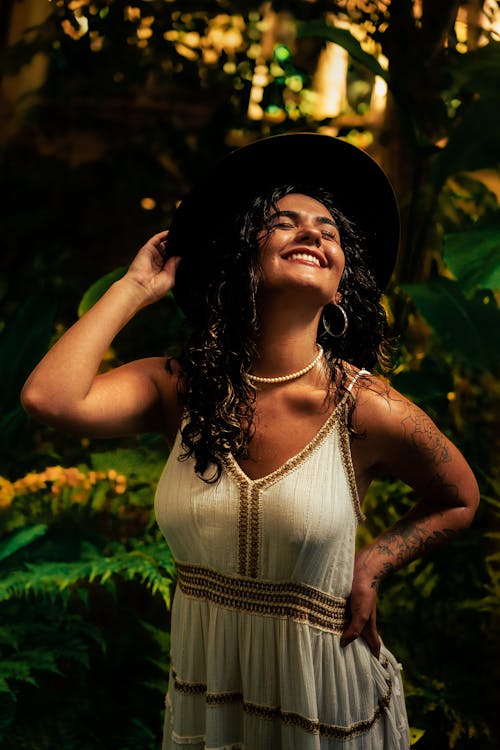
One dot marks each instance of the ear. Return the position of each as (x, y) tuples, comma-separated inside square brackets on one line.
[(337, 298)]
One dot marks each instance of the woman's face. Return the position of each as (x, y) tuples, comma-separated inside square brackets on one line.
[(300, 249)]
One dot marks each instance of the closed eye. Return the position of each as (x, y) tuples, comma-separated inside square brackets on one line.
[(331, 236), (282, 225)]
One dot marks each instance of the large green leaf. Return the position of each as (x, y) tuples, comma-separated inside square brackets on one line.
[(19, 539), (468, 328), (98, 288), (474, 143), (344, 39), (474, 256)]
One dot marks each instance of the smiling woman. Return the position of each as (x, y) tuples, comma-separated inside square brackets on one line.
[(277, 427)]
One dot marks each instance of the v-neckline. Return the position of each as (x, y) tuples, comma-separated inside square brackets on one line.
[(234, 469)]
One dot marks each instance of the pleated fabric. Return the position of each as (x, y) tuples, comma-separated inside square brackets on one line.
[(264, 571)]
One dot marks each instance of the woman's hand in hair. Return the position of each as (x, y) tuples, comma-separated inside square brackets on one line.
[(149, 271)]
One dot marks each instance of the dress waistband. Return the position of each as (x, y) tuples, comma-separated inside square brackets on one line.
[(296, 601)]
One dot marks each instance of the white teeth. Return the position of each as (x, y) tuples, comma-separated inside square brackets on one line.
[(304, 256)]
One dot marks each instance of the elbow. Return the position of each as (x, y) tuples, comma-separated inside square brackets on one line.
[(37, 404), (467, 516), (469, 508)]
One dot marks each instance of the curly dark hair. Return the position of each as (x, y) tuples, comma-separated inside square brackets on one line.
[(218, 397)]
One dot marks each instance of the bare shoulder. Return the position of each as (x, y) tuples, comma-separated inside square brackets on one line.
[(387, 416), (398, 438), (389, 419)]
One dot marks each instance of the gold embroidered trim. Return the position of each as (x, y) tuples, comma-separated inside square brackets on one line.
[(249, 531), (243, 530), (335, 731), (345, 454), (238, 475), (254, 537), (188, 688), (296, 601)]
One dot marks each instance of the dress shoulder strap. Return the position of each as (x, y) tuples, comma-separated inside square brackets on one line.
[(355, 379)]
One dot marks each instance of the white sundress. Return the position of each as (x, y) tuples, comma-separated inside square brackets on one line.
[(264, 570)]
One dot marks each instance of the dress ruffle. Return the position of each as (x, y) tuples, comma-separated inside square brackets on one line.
[(257, 677)]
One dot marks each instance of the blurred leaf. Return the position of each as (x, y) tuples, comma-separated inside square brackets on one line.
[(344, 39), (432, 380), (23, 342), (20, 539), (477, 71), (98, 288), (474, 143), (467, 327), (474, 256), (7, 707), (465, 202), (141, 464), (415, 735)]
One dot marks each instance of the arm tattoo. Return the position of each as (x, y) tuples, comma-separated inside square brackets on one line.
[(405, 541), (422, 434)]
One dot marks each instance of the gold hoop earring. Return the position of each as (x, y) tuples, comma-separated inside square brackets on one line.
[(327, 328)]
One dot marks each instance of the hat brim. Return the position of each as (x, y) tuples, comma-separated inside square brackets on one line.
[(360, 188)]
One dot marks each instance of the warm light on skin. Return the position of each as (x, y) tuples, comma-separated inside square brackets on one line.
[(300, 249)]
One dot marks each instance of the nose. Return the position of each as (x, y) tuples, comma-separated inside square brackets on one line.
[(309, 233)]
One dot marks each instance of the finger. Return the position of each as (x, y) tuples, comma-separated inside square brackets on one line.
[(372, 638), (370, 633), (352, 632), (158, 239), (347, 637), (172, 264)]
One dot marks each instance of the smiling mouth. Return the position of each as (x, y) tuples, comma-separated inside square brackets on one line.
[(305, 257)]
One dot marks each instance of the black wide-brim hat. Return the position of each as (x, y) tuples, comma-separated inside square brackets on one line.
[(360, 189)]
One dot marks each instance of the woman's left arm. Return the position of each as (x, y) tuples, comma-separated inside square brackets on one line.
[(401, 440)]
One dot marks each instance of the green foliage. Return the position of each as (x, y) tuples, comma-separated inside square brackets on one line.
[(23, 341), (98, 288), (81, 602), (474, 143), (16, 541), (344, 39), (473, 256), (469, 327)]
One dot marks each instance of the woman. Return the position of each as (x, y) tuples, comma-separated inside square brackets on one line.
[(277, 431)]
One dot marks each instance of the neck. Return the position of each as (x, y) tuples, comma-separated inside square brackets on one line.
[(287, 343)]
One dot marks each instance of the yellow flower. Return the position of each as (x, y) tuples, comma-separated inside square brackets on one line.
[(73, 476), (7, 492), (53, 473)]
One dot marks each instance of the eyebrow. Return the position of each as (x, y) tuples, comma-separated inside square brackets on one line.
[(295, 215)]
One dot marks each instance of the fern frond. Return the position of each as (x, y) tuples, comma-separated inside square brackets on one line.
[(152, 564)]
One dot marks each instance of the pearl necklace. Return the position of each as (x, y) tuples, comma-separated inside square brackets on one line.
[(293, 375)]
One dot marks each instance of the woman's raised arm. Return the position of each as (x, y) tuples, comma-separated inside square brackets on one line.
[(65, 391)]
